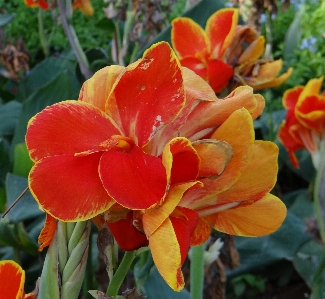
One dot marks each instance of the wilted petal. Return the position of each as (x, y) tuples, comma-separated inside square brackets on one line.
[(96, 90), (189, 39), (12, 280), (67, 128), (219, 73), (257, 218), (252, 52), (220, 29), (275, 82), (133, 178), (69, 187), (47, 233), (148, 95)]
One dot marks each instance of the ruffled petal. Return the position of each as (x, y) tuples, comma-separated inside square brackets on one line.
[(127, 236), (220, 29), (181, 161), (219, 73), (96, 90), (152, 219), (215, 155), (69, 187), (168, 262), (67, 128), (189, 39), (149, 95), (252, 219), (47, 233), (133, 178), (12, 278)]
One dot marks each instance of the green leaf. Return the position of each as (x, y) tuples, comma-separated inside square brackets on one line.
[(9, 114), (5, 19), (4, 160), (26, 208), (22, 161)]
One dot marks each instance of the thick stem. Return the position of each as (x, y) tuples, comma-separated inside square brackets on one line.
[(120, 273), (197, 271)]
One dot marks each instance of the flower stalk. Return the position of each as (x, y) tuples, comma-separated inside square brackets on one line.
[(197, 271)]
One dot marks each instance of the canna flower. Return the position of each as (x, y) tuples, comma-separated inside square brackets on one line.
[(225, 53), (150, 150), (37, 3), (12, 273), (304, 126)]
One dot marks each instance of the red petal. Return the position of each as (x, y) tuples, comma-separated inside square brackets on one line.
[(12, 278), (189, 39), (134, 179), (69, 187), (148, 95), (196, 65), (201, 233), (219, 73), (47, 233), (126, 235), (291, 96), (67, 128)]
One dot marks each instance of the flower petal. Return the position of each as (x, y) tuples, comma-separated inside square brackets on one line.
[(69, 187), (12, 280), (127, 236), (181, 161), (189, 39), (274, 82), (148, 95), (252, 52), (196, 65), (291, 96), (256, 219), (219, 73), (67, 128), (134, 179), (152, 219), (220, 29), (47, 233), (201, 233), (168, 262), (96, 90)]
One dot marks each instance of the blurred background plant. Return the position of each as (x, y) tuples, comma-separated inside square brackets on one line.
[(287, 264)]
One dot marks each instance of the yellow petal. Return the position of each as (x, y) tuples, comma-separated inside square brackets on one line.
[(253, 52)]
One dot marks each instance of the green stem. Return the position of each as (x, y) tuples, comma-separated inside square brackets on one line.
[(197, 272), (41, 32), (120, 273)]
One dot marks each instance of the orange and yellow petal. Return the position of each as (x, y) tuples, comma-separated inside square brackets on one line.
[(181, 161), (312, 87), (133, 178), (127, 236), (291, 96), (96, 90), (69, 187), (35, 3), (189, 39), (201, 233), (220, 29), (67, 128), (47, 233), (85, 6), (219, 73), (149, 94), (12, 278), (257, 218), (252, 52)]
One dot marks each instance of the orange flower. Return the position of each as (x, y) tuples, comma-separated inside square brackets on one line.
[(13, 279), (35, 3), (84, 6), (220, 52), (304, 125), (153, 152)]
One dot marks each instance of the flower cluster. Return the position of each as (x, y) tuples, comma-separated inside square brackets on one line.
[(150, 150), (304, 126), (225, 54)]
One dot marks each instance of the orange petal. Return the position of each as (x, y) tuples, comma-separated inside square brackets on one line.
[(215, 155), (252, 52), (219, 73), (189, 39), (69, 187), (220, 29), (291, 96), (67, 128), (201, 233), (152, 219), (96, 90), (274, 82), (85, 6), (47, 233), (12, 278), (148, 95), (256, 219), (168, 262), (134, 179), (180, 161), (196, 65)]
